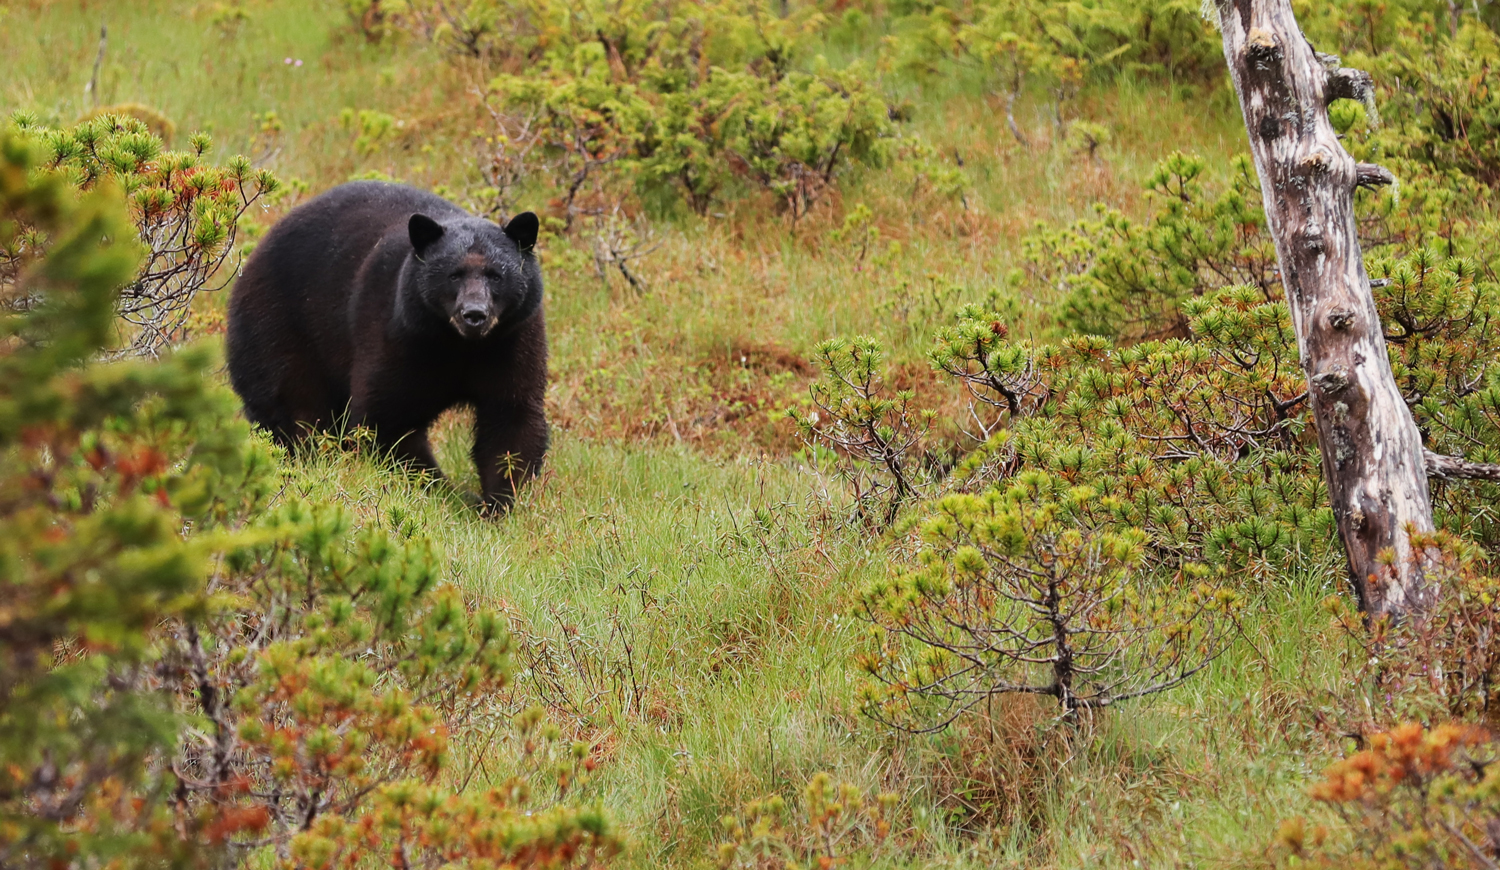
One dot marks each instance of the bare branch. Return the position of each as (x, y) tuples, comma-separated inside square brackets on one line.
[(1454, 468)]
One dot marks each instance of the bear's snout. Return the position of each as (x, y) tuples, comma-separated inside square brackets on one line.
[(473, 311), (474, 322)]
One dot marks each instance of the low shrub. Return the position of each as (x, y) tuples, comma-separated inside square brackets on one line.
[(1010, 47), (1125, 279), (1028, 589), (1416, 798), (186, 212), (877, 432), (592, 123), (658, 103), (834, 824), (1444, 666)]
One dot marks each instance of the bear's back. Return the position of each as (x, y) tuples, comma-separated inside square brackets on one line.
[(319, 246), (289, 330)]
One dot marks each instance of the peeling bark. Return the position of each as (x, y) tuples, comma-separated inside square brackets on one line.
[(1372, 452)]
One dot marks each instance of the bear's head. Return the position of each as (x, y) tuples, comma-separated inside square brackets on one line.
[(473, 274)]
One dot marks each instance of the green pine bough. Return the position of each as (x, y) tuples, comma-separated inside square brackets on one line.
[(186, 211)]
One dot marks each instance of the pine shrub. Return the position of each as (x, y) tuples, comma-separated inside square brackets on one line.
[(1034, 589), (186, 212), (659, 103)]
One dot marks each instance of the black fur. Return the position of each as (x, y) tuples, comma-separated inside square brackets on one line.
[(395, 305)]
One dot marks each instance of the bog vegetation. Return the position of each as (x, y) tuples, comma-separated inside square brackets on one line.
[(934, 485)]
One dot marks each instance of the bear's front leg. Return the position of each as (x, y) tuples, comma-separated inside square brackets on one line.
[(510, 440)]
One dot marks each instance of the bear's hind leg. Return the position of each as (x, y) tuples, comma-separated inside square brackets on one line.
[(285, 429), (412, 450)]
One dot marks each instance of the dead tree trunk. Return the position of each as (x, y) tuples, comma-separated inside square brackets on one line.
[(1372, 451)]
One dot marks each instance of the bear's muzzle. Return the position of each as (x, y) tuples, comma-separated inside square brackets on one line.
[(474, 312)]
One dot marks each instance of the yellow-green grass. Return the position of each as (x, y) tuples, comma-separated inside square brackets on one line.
[(697, 584)]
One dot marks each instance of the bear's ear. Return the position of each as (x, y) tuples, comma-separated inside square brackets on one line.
[(423, 231), (522, 230)]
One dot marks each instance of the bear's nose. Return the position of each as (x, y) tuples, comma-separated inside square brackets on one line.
[(475, 316)]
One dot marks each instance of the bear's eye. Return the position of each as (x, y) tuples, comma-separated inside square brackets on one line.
[(491, 275), (456, 276)]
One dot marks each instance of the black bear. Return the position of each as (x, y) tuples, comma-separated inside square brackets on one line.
[(393, 305)]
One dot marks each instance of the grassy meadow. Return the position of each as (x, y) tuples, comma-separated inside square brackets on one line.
[(682, 577)]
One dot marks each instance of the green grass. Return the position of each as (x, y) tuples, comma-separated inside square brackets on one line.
[(685, 590), (174, 57), (697, 616)]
